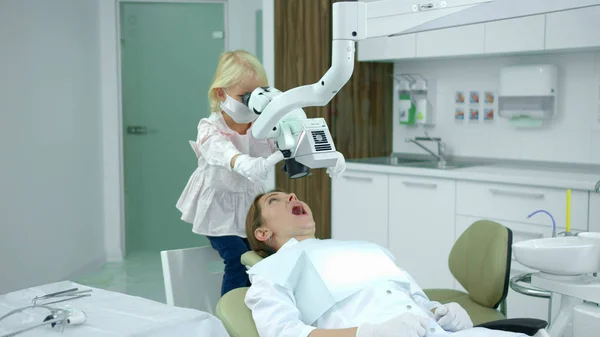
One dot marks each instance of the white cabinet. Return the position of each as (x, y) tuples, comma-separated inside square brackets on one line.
[(515, 203), (576, 28), (387, 48), (566, 29), (421, 228), (456, 41), (594, 212), (359, 207), (515, 35)]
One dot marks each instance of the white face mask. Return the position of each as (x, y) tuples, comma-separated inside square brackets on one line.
[(238, 111)]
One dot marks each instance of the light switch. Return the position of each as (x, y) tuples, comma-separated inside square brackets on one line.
[(217, 35)]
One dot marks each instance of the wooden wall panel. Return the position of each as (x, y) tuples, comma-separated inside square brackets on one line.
[(302, 56), (359, 116), (361, 113)]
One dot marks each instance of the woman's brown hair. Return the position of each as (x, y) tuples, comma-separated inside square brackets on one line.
[(254, 220)]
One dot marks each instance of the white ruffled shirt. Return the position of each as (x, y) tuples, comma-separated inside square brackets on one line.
[(216, 199)]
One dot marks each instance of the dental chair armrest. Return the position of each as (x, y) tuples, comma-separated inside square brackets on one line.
[(528, 326)]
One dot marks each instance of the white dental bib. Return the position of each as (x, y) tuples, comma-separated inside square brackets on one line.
[(322, 273)]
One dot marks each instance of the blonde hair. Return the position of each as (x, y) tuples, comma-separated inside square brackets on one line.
[(234, 67)]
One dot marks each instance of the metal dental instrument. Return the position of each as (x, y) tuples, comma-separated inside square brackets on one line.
[(71, 294), (55, 320), (57, 316)]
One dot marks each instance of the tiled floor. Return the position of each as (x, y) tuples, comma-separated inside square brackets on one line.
[(140, 274)]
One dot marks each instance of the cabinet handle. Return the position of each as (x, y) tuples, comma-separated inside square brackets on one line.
[(528, 234), (368, 179), (517, 193), (416, 184)]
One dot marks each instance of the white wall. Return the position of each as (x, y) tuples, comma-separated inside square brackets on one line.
[(242, 24), (574, 135), (51, 219)]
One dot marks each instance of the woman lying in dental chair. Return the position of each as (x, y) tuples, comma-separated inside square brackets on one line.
[(331, 288)]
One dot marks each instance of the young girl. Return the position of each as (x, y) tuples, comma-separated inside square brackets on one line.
[(232, 165)]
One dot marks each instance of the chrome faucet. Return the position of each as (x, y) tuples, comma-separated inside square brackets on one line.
[(441, 146)]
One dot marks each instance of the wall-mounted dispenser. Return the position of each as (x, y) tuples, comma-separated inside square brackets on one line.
[(528, 94), (414, 106), (424, 113), (406, 108)]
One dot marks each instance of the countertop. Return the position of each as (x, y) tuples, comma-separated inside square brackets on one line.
[(543, 174)]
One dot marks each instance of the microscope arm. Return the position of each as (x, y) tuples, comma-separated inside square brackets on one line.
[(353, 21)]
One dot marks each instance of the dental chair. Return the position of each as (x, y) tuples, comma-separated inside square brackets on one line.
[(480, 261), (238, 321)]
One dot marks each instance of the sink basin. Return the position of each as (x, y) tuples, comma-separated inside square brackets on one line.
[(413, 162), (386, 160), (559, 256), (450, 165), (590, 237), (405, 161)]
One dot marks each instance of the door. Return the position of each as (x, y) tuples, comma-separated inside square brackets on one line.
[(169, 52), (421, 232), (359, 207)]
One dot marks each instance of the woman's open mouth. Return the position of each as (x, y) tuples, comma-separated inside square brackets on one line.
[(299, 210)]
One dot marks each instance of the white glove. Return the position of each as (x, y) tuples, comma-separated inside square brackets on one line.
[(452, 317), (256, 169), (405, 325), (339, 167)]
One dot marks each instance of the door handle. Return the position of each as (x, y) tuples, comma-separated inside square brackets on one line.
[(137, 130)]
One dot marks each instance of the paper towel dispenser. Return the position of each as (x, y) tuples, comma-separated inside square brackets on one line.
[(528, 92)]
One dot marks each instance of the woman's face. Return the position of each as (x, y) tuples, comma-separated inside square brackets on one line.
[(284, 217)]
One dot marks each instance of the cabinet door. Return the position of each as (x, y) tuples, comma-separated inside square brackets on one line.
[(421, 228), (465, 40), (515, 35), (577, 28), (594, 212), (387, 48), (359, 207)]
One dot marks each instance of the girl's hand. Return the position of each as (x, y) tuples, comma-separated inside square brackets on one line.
[(256, 169)]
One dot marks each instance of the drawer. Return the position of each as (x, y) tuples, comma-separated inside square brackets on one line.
[(516, 202)]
